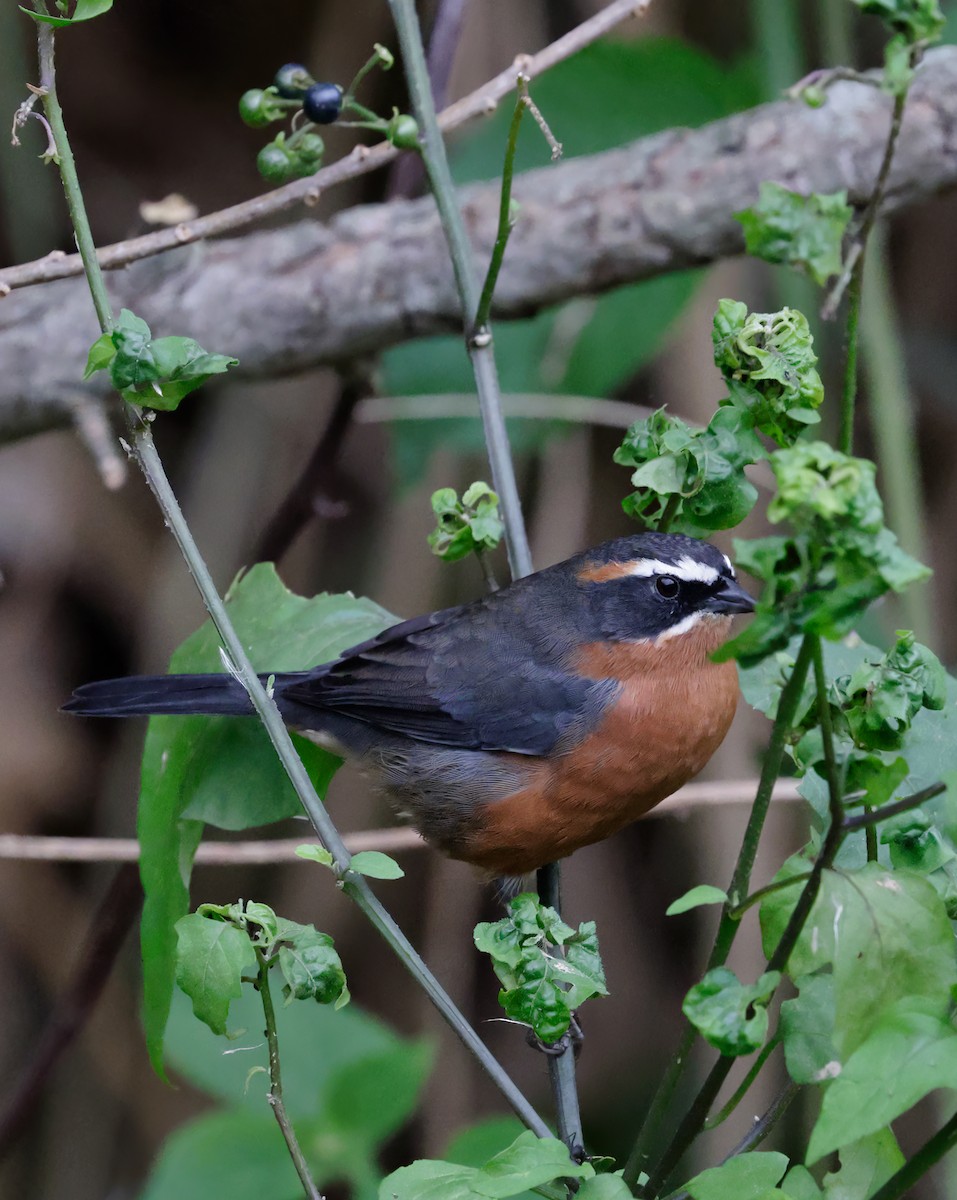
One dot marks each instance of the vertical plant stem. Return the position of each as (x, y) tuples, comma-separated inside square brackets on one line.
[(275, 1083), (649, 1134), (561, 1066), (932, 1151), (481, 353), (148, 458), (479, 345)]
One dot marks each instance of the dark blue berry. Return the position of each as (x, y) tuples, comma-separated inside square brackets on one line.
[(322, 103)]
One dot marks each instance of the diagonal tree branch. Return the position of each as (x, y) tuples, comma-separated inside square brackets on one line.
[(374, 276)]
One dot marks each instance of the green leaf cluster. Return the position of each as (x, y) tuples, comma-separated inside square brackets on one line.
[(804, 231), (546, 968), (223, 771), (153, 372), (218, 944), (732, 1016), (770, 368), (839, 559), (916, 20), (471, 525), (349, 1085), (702, 469), (529, 1162), (693, 480)]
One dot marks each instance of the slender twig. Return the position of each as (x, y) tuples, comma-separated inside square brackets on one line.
[(505, 219), (275, 1082), (756, 897), (146, 455), (479, 347), (114, 917), (361, 161), (873, 816), (649, 1134), (764, 1124), (753, 1071), (855, 287)]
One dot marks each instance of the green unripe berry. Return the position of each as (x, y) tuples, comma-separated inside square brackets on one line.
[(403, 132), (275, 164), (258, 107)]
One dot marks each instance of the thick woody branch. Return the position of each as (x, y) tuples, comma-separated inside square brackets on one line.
[(287, 300)]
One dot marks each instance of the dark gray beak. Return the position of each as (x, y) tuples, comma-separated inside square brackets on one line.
[(730, 598)]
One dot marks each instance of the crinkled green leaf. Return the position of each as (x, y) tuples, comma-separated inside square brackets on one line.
[(471, 525), (187, 778), (211, 958), (805, 231), (865, 1166), (541, 987), (156, 373), (910, 1051), (704, 893), (375, 865), (730, 1015), (309, 963), (770, 368), (744, 1176)]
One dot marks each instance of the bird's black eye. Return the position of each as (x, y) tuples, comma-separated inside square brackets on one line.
[(667, 586)]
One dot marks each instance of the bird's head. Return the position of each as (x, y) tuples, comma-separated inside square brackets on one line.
[(655, 586)]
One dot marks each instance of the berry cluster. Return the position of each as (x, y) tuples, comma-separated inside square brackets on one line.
[(298, 153)]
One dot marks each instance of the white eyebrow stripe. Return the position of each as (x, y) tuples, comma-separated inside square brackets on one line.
[(687, 569), (730, 566)]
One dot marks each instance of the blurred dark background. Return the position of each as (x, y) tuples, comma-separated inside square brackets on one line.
[(92, 585)]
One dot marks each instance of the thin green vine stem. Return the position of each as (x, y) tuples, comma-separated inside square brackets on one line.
[(649, 1134), (276, 1102), (505, 222), (146, 455), (753, 1072)]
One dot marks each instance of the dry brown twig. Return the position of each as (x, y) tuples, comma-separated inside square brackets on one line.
[(361, 161)]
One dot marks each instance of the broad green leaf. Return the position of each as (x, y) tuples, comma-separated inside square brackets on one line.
[(807, 1024), (746, 1176), (799, 1184), (865, 1166), (910, 1051), (704, 893), (85, 10), (211, 958), (322, 1044), (370, 1100), (728, 1014), (234, 1153), (475, 1145), (187, 779), (804, 231), (375, 865), (529, 1162), (604, 1187), (886, 936)]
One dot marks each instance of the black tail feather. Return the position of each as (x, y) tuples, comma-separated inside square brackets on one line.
[(148, 695)]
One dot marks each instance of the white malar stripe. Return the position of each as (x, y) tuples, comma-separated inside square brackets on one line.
[(687, 569), (682, 626)]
